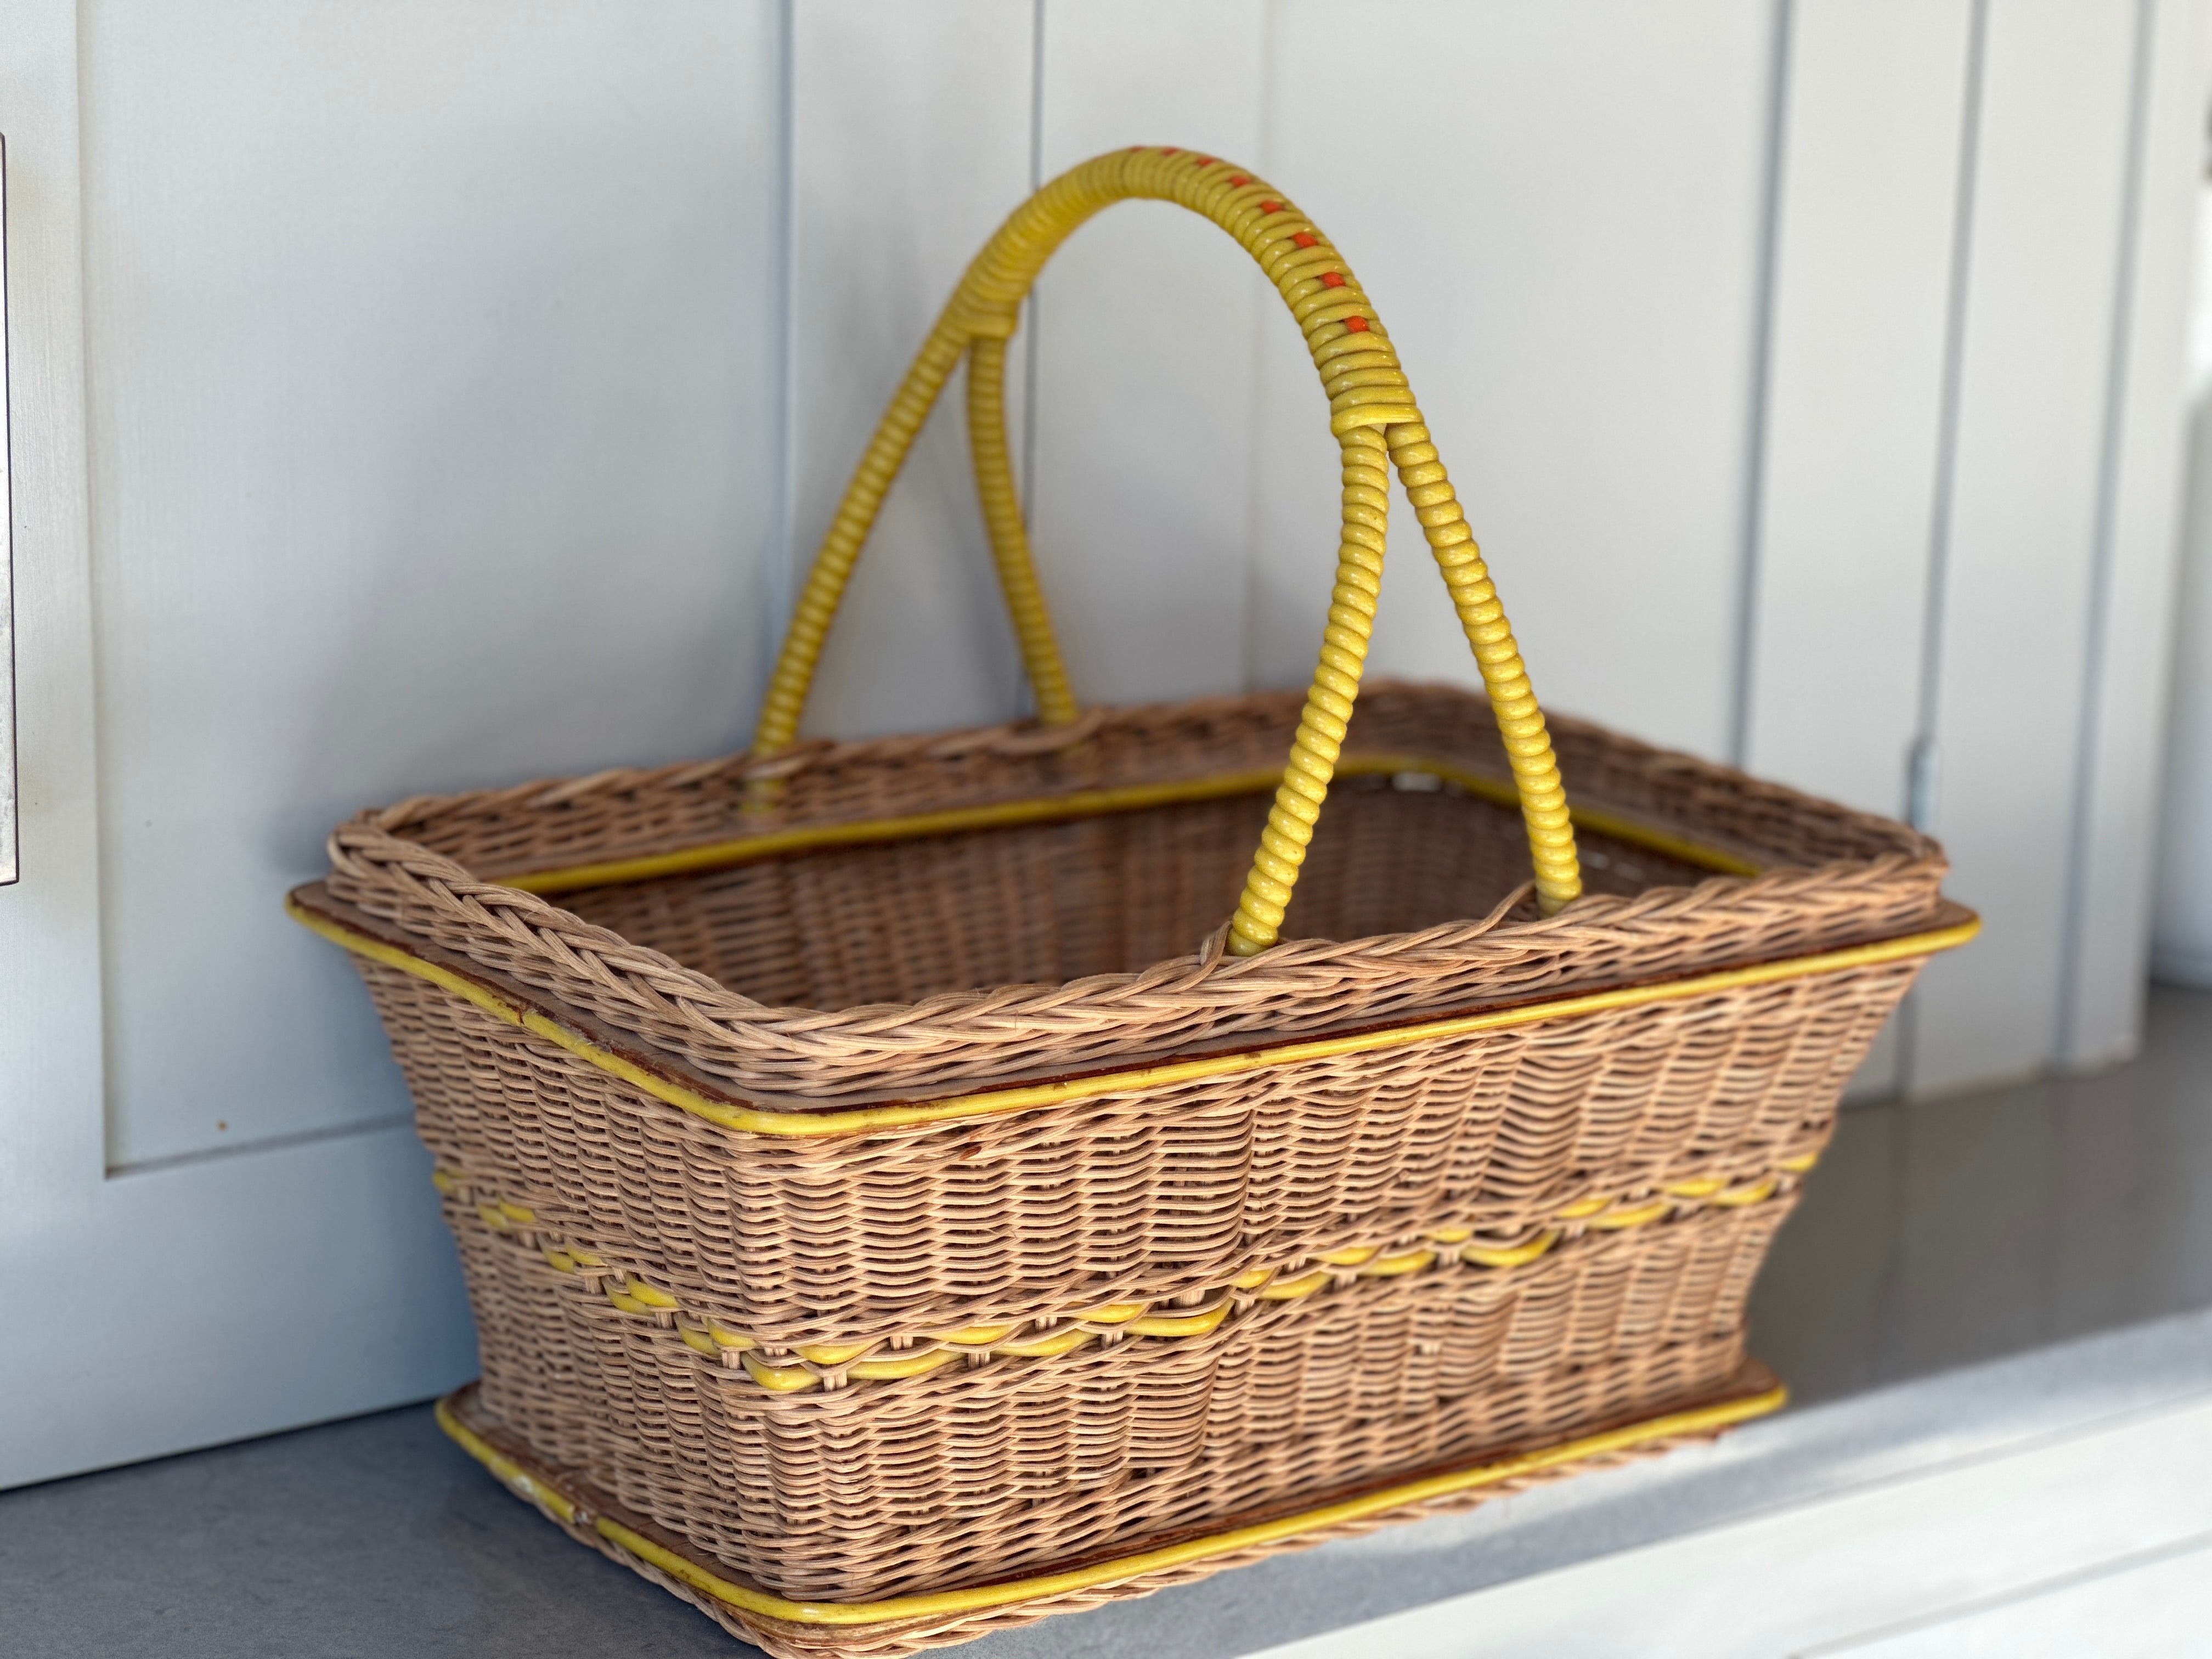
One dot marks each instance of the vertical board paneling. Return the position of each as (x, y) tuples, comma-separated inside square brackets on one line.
[(1867, 200), (1141, 498), (426, 455), (1877, 90), (1558, 216), (221, 1297), (10, 861), (2121, 780), (2182, 936), (2045, 231), (910, 142), (51, 1140), (2182, 944)]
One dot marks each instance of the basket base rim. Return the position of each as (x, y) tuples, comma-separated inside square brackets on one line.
[(881, 1629)]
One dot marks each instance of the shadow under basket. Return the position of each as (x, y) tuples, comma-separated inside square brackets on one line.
[(870, 1310), (896, 1205)]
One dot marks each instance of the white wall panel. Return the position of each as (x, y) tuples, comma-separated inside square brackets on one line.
[(2120, 780), (211, 1299), (429, 452), (216, 1297), (50, 1136), (910, 142), (1145, 332), (1558, 216), (2051, 166), (2182, 943), (1876, 94)]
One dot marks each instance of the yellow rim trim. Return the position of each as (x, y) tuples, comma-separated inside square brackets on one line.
[(1092, 803), (1703, 1420), (752, 1121)]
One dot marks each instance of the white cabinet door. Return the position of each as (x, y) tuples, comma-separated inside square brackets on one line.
[(395, 397)]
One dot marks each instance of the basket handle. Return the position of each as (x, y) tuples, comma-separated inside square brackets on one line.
[(1376, 420)]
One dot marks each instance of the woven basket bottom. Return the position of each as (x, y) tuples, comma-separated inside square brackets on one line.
[(590, 1517)]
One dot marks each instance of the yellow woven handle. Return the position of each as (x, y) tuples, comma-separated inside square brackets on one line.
[(1373, 415)]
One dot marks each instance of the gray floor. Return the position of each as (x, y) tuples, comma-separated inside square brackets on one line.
[(1949, 1231), (1936, 1240)]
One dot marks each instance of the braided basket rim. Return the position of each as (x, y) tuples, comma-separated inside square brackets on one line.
[(382, 865)]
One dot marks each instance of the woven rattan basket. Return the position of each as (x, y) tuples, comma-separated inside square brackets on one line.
[(895, 1204)]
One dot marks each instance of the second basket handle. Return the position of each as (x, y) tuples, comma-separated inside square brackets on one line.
[(1377, 423)]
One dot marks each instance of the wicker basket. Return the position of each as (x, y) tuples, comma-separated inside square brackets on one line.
[(870, 1310)]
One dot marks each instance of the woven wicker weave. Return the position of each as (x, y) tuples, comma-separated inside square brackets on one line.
[(895, 1205)]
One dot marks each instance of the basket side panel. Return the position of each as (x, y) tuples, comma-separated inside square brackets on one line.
[(962, 1473), (1151, 1196), (868, 1490)]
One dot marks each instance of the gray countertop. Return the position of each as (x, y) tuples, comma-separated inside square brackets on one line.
[(1965, 1276)]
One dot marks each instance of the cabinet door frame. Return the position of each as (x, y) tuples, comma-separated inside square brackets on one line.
[(210, 1297)]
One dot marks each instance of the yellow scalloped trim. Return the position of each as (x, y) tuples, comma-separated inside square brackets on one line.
[(1195, 1324), (893, 1367), (1518, 1256), (979, 1336), (1640, 1216), (831, 1363), (1757, 1191)]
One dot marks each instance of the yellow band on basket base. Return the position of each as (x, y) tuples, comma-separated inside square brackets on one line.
[(989, 1102), (1702, 1419)]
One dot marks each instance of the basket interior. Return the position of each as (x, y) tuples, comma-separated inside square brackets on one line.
[(1046, 903), (1399, 846)]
